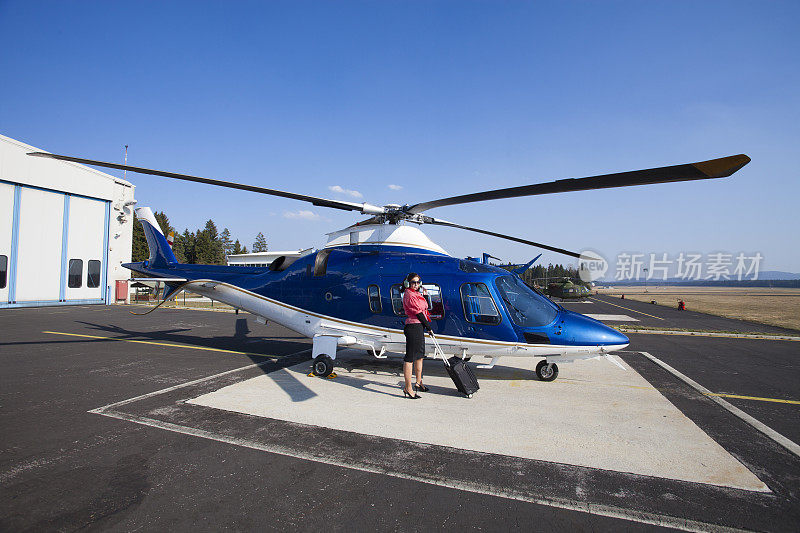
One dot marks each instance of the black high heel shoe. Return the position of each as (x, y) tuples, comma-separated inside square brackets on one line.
[(422, 388), (408, 395)]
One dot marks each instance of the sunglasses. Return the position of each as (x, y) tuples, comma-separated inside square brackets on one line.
[(416, 281)]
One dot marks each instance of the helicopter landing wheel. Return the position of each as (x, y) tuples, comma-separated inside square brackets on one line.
[(322, 366), (546, 372)]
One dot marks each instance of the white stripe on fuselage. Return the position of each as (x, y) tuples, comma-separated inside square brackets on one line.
[(310, 324)]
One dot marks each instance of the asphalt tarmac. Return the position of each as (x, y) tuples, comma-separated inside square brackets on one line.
[(659, 316), (98, 435)]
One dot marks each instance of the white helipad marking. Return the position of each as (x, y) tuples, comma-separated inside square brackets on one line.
[(763, 428), (613, 420), (612, 318), (683, 524)]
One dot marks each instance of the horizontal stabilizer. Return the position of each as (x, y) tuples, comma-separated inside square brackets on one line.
[(519, 271)]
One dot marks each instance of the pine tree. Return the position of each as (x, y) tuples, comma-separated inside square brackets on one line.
[(208, 246), (237, 248), (261, 243), (211, 230), (203, 247), (225, 239), (139, 249), (188, 248), (177, 248), (163, 221), (183, 248)]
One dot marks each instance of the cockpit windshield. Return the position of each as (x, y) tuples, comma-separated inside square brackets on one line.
[(526, 308)]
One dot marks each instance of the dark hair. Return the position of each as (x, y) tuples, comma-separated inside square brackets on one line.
[(407, 281)]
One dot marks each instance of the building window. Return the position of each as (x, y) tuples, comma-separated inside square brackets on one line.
[(93, 274), (479, 307), (75, 279), (374, 298), (3, 271)]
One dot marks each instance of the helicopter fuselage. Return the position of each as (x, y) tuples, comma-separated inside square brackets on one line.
[(351, 295)]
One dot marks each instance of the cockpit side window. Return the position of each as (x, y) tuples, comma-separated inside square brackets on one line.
[(526, 307), (479, 306)]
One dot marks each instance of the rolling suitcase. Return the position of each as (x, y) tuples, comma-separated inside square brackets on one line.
[(462, 375)]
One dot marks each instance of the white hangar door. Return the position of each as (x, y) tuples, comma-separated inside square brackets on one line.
[(85, 259), (41, 218), (6, 221)]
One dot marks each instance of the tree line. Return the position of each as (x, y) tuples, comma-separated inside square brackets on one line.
[(205, 246), (540, 273)]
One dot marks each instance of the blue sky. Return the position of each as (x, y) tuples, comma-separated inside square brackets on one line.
[(440, 98)]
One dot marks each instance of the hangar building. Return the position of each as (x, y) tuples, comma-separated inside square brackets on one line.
[(65, 230)]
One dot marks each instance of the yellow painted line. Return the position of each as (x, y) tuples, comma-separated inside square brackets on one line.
[(160, 344), (626, 308), (567, 381), (748, 336), (776, 400)]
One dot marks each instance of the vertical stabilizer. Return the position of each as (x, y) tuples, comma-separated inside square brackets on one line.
[(160, 251)]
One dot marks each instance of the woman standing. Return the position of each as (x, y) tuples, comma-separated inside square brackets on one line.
[(417, 322)]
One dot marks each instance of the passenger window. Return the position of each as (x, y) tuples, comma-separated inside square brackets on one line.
[(93, 274), (479, 307), (434, 297), (3, 271), (75, 279), (397, 300), (374, 294)]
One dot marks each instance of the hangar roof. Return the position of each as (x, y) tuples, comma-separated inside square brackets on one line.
[(62, 176)]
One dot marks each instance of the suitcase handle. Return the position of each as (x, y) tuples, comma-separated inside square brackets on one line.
[(438, 349)]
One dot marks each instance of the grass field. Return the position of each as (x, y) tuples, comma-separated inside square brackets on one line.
[(775, 307)]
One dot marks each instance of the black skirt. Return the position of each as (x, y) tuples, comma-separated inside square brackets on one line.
[(415, 342)]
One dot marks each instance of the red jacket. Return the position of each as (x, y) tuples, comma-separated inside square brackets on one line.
[(413, 303)]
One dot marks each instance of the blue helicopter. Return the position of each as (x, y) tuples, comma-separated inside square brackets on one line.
[(348, 293)]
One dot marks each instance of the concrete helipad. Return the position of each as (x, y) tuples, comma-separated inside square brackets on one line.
[(594, 415)]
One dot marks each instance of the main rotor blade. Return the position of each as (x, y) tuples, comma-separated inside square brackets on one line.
[(322, 202), (439, 222), (714, 168)]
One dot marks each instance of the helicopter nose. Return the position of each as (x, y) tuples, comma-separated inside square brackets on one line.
[(585, 331)]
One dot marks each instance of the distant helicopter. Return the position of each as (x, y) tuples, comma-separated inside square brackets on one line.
[(348, 294), (567, 289)]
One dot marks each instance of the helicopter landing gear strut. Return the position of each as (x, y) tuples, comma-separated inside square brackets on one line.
[(322, 366), (546, 371)]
